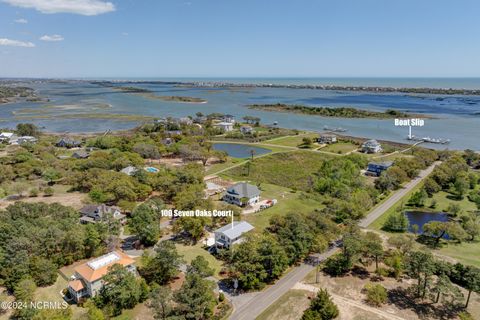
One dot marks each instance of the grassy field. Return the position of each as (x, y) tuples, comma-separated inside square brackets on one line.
[(465, 252), (291, 141), (191, 252), (340, 147), (290, 306), (292, 169), (288, 201), (220, 166)]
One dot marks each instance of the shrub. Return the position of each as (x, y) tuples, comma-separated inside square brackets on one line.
[(376, 294), (48, 192), (33, 192), (321, 307), (221, 297)]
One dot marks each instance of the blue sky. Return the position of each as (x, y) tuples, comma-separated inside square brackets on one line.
[(242, 38)]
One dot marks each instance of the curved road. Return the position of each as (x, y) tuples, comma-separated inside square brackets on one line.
[(252, 308)]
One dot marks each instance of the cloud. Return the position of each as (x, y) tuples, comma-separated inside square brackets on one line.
[(125, 34), (83, 7), (15, 43), (21, 20), (52, 38)]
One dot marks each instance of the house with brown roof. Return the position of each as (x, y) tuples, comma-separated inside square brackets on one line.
[(88, 277)]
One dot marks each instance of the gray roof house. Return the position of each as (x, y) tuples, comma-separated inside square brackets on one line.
[(80, 154), (242, 194), (93, 213), (371, 146), (231, 233), (130, 170), (66, 142)]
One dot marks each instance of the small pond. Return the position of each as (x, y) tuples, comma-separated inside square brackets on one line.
[(239, 150), (420, 218)]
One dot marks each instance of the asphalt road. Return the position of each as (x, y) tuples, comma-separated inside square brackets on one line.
[(249, 310)]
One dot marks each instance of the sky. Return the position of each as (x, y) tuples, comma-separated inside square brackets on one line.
[(239, 38)]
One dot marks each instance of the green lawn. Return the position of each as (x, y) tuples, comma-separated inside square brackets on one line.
[(288, 201), (340, 147), (290, 306), (443, 202), (191, 252), (291, 141), (220, 166), (466, 252), (288, 169)]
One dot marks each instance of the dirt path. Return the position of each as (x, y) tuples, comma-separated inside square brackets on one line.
[(339, 300)]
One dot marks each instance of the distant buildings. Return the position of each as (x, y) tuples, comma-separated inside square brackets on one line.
[(231, 233), (242, 194), (94, 213), (88, 278), (6, 136), (81, 154), (327, 138), (22, 140), (246, 129), (376, 168), (68, 143), (228, 118), (225, 126), (371, 146)]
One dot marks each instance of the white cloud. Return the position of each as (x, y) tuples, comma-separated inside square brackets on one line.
[(15, 43), (83, 7), (21, 20), (125, 34), (53, 37)]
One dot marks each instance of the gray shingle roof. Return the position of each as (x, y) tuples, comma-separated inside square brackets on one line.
[(239, 228), (243, 189)]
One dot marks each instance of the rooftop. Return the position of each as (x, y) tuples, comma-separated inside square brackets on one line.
[(97, 268), (236, 230), (243, 189)]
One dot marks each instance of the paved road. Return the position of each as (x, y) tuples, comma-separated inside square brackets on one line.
[(378, 211), (249, 310)]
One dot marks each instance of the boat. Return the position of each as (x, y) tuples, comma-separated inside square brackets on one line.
[(429, 140)]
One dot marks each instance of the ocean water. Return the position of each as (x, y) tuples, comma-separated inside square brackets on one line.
[(455, 117)]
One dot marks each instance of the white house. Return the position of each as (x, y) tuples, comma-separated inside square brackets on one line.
[(88, 277), (231, 233), (371, 146), (93, 213), (225, 126), (23, 139), (6, 136), (242, 194)]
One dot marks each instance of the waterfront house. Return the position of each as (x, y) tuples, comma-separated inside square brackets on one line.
[(88, 277), (173, 133), (231, 233), (225, 126), (185, 120), (22, 140), (6, 136), (130, 170), (228, 118), (242, 194), (376, 168), (371, 146), (68, 143), (94, 213), (327, 138), (246, 129)]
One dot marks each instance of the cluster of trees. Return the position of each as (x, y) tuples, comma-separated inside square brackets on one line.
[(261, 259), (435, 279), (405, 169), (37, 238), (347, 195)]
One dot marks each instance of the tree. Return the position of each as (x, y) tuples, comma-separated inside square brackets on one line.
[(471, 225), (403, 242), (121, 290), (373, 247), (161, 302), (471, 279), (376, 294), (145, 223), (420, 265), (321, 307), (200, 266), (443, 286), (396, 261), (93, 312), (193, 226), (163, 266), (27, 129), (461, 185), (195, 299), (396, 222), (418, 198)]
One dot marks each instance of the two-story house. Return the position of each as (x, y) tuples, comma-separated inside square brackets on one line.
[(242, 194), (94, 213), (231, 233), (88, 277)]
